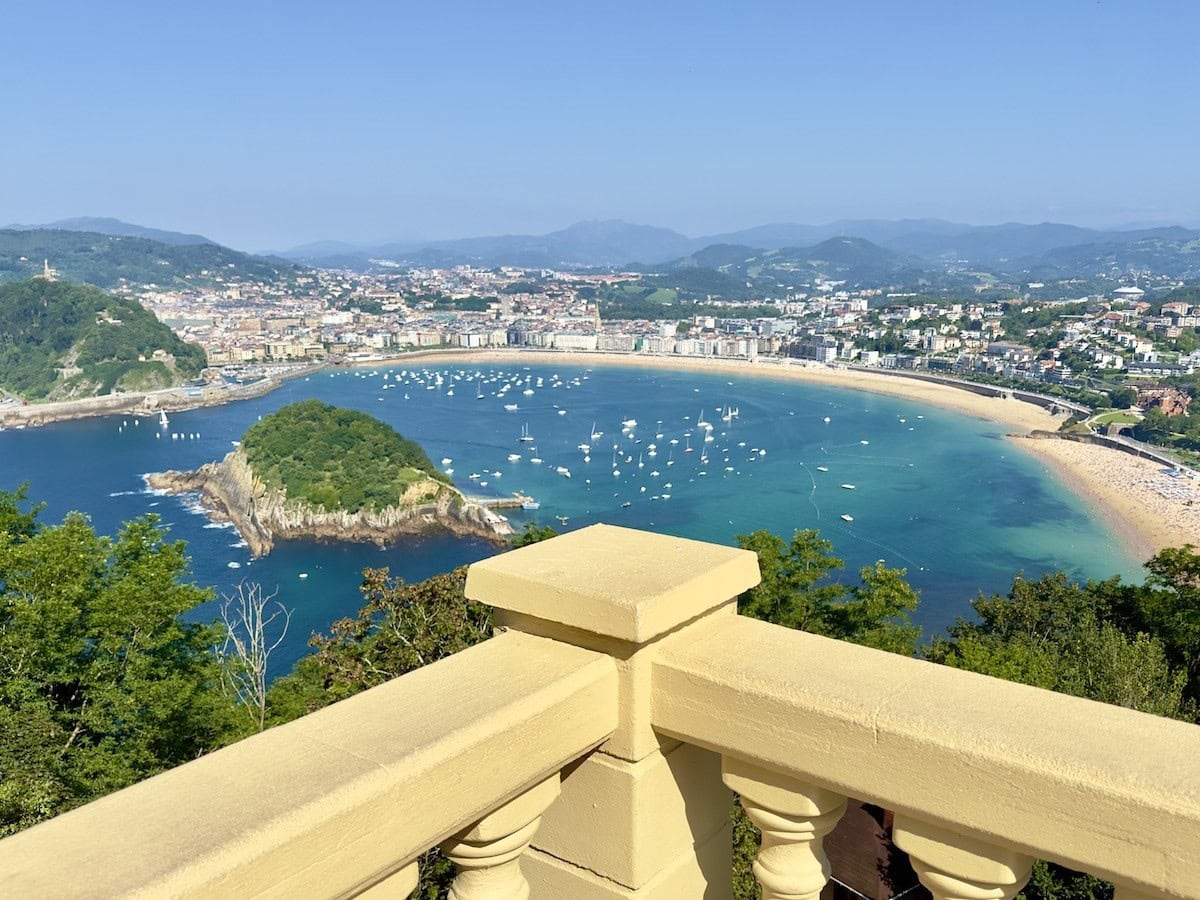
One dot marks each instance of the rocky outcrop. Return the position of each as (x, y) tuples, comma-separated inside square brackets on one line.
[(232, 492)]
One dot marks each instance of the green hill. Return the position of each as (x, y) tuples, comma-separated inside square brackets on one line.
[(110, 260), (335, 458), (62, 341)]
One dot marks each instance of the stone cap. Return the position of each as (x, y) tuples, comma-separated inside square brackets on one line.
[(627, 584)]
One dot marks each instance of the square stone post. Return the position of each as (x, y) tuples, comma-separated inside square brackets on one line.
[(644, 816)]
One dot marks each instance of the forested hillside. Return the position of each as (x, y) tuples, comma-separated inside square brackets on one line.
[(60, 341), (109, 260)]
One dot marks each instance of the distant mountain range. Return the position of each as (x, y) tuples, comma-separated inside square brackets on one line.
[(926, 253), (615, 243), (118, 228)]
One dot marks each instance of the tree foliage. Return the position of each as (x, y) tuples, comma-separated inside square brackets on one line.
[(796, 591), (48, 326), (335, 458), (101, 683), (399, 628)]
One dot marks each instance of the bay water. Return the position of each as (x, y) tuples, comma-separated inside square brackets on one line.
[(943, 495)]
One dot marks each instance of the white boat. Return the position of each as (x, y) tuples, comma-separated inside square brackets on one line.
[(530, 504), (848, 517), (514, 457), (510, 406), (162, 418), (562, 412), (629, 423), (563, 471), (688, 448), (822, 468), (586, 448), (535, 459), (596, 435), (446, 460), (848, 487), (303, 575), (700, 423), (525, 435), (864, 443)]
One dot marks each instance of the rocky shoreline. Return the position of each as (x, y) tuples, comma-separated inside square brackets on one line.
[(231, 492)]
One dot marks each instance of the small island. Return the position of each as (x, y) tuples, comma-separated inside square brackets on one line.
[(318, 471)]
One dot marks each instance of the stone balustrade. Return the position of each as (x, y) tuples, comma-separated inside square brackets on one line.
[(589, 751)]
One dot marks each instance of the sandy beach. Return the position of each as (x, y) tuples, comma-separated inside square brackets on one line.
[(1146, 507)]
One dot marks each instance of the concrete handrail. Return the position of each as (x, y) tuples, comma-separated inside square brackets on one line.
[(1100, 788), (337, 801)]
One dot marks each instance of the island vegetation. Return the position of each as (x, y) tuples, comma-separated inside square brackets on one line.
[(63, 341), (334, 458)]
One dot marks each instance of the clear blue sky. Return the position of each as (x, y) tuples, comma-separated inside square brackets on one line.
[(264, 125)]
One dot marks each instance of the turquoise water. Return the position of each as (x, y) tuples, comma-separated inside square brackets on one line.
[(943, 495)]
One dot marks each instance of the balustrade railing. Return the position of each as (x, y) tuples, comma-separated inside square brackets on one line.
[(591, 749)]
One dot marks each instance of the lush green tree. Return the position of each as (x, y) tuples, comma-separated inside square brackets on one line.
[(1122, 397), (796, 591), (1097, 640), (1167, 607), (533, 534), (1156, 427), (101, 683)]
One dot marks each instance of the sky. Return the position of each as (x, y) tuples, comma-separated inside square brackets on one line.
[(264, 125)]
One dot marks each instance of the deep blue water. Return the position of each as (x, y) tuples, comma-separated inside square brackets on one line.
[(941, 494)]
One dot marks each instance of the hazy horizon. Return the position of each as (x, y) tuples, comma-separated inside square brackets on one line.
[(275, 126)]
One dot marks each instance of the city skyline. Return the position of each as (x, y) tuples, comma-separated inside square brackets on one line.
[(272, 127)]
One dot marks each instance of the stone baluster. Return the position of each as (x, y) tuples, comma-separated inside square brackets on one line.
[(956, 867), (794, 818), (488, 854)]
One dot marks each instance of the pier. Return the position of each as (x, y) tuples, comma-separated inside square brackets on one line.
[(516, 501)]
